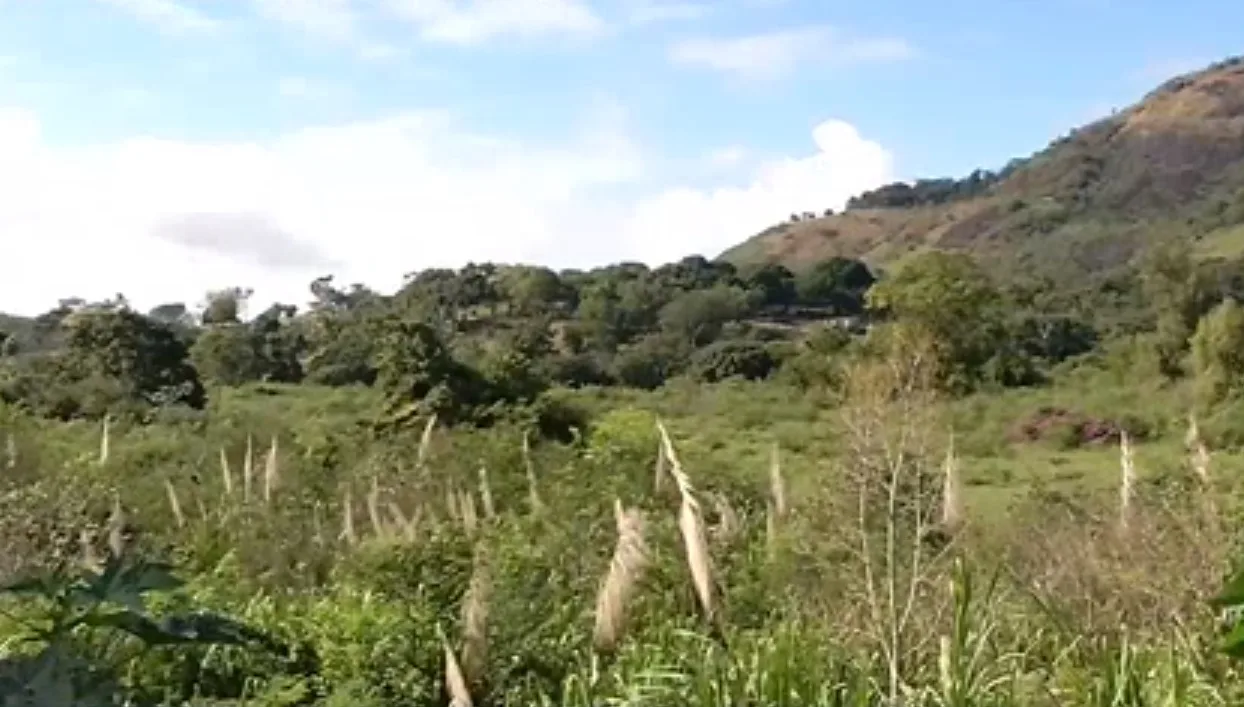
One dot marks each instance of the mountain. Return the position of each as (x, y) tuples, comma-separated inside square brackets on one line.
[(1170, 165)]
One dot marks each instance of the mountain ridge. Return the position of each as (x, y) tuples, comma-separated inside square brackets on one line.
[(1171, 163)]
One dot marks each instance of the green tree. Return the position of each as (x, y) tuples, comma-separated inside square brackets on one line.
[(839, 283), (532, 290), (699, 316), (225, 306), (143, 358), (950, 298), (774, 283), (418, 374), (1178, 293), (1218, 353), (227, 354)]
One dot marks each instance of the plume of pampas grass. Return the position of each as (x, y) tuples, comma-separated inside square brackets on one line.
[(455, 681), (226, 475), (116, 528), (532, 489), (373, 508), (691, 526), (271, 473), (777, 484), (485, 493), (317, 523), (1198, 453), (659, 470), (174, 503), (248, 469), (466, 506), (91, 561), (105, 438), (347, 519), (425, 443), (475, 624), (1127, 481), (10, 451), (953, 513), (728, 524), (630, 561)]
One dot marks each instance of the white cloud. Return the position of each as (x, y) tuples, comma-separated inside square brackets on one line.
[(167, 15), (302, 87), (774, 54), (330, 19), (163, 220), (643, 12), (475, 21), (726, 157)]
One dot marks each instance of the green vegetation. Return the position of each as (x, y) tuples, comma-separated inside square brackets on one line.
[(933, 484)]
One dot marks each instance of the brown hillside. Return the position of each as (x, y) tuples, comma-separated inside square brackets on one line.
[(1172, 162)]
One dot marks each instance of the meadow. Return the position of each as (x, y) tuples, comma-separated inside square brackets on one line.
[(879, 546)]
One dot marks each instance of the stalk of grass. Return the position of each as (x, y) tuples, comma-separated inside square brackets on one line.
[(1198, 453), (953, 513), (485, 493), (659, 470), (174, 504), (271, 472), (1127, 480), (777, 484), (373, 508), (105, 438), (248, 469), (533, 489), (626, 569), (10, 452), (691, 526), (425, 443), (347, 519), (226, 475), (728, 524), (455, 681), (470, 517), (475, 623), (116, 528)]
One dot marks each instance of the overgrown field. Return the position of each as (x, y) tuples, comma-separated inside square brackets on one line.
[(785, 549)]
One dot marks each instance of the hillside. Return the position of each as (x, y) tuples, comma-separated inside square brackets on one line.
[(1171, 164)]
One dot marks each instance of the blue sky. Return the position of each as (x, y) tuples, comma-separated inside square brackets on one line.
[(265, 142)]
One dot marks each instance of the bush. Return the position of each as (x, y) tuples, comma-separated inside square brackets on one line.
[(731, 359)]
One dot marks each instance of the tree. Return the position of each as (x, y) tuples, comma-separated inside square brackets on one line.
[(417, 372), (225, 306), (774, 283), (950, 298), (227, 354), (532, 290), (1178, 293), (839, 283), (732, 359), (143, 358), (699, 316), (1218, 353)]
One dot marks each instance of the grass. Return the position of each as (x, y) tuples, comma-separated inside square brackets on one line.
[(710, 588)]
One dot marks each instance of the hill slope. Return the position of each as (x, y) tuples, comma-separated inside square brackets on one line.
[(1171, 164)]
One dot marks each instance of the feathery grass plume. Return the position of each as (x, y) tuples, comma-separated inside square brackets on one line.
[(226, 475), (347, 519), (373, 508), (532, 489), (953, 513), (105, 438), (452, 503), (1198, 453), (10, 451), (401, 521), (1127, 481), (466, 506), (455, 681), (116, 528), (626, 569), (475, 623), (770, 531), (248, 469), (425, 443), (271, 473), (659, 470), (485, 493), (317, 523), (777, 485), (691, 525), (174, 503), (91, 560), (728, 524)]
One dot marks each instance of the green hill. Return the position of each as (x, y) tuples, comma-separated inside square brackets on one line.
[(1172, 164)]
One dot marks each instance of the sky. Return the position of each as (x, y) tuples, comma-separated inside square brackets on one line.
[(165, 148)]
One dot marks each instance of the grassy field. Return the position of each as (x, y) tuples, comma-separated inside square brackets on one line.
[(1042, 597)]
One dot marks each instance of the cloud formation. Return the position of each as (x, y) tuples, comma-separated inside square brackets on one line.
[(776, 54), (163, 220)]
